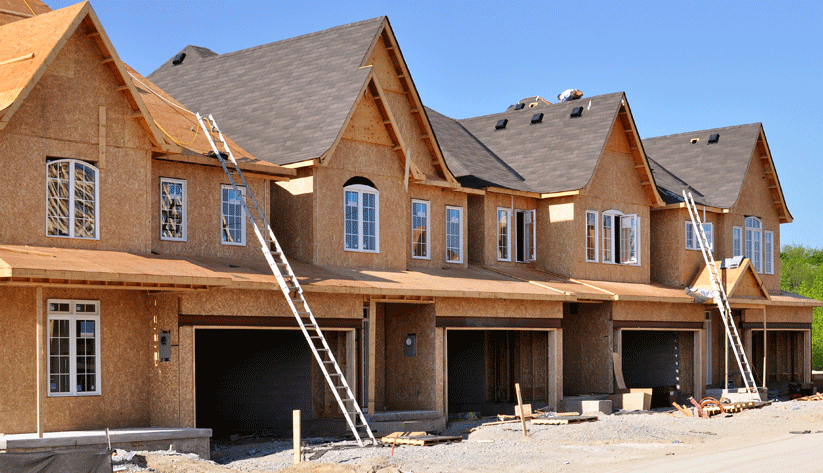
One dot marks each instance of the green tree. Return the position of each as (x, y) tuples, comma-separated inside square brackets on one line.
[(802, 273)]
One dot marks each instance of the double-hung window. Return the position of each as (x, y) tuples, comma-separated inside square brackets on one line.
[(74, 347), (420, 229), (454, 234), (737, 241), (692, 237), (362, 218), (172, 209), (524, 221), (768, 255), (754, 242), (591, 236), (232, 224), (72, 196), (504, 237), (621, 238)]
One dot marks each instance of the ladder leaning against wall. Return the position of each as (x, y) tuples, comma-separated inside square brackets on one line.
[(722, 300), (291, 288)]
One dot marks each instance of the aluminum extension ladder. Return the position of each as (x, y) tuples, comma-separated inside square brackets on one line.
[(722, 301), (282, 270)]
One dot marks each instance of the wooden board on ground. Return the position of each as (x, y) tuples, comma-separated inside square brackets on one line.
[(814, 397), (418, 438), (618, 370), (562, 420), (527, 409)]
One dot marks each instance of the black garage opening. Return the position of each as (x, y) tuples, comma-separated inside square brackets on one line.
[(250, 381), (662, 360)]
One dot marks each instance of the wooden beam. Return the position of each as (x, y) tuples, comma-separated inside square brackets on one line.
[(93, 34), (137, 114), (40, 358), (101, 138), (372, 362), (107, 60), (122, 88), (15, 13), (17, 59)]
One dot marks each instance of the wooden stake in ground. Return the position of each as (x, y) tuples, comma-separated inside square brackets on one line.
[(520, 403), (296, 433), (685, 412)]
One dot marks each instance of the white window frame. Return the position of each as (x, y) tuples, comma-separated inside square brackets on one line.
[(451, 235), (737, 241), (768, 252), (426, 223), (616, 234), (361, 189), (507, 244), (595, 246), (184, 209), (223, 240), (529, 237), (72, 316), (73, 163), (692, 242), (754, 243)]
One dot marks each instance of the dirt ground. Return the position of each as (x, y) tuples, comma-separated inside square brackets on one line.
[(625, 441)]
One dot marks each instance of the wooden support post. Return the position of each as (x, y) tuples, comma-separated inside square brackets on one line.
[(520, 403), (296, 434), (41, 323), (372, 356), (764, 348), (726, 359), (101, 138)]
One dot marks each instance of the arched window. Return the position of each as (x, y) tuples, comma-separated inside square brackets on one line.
[(72, 208), (361, 202), (621, 238), (754, 242)]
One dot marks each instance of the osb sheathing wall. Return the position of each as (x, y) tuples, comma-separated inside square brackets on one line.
[(125, 356), (658, 311), (60, 119), (666, 257), (438, 199), (203, 223), (227, 302), (780, 314), (475, 218), (587, 349), (165, 380), (492, 202), (461, 307), (292, 216), (410, 381)]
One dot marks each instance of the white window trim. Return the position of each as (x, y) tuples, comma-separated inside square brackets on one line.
[(72, 317), (72, 163), (527, 258), (460, 237), (597, 224), (185, 209), (427, 206), (242, 241), (768, 252), (739, 240), (360, 189), (755, 252), (615, 251), (693, 243), (508, 233)]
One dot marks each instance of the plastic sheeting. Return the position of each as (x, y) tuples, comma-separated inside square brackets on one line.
[(62, 461)]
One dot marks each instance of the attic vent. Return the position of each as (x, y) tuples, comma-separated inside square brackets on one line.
[(533, 104), (501, 124), (537, 118), (576, 112), (519, 106), (695, 140), (714, 138), (178, 59)]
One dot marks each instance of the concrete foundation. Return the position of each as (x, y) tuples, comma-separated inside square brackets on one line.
[(586, 404), (384, 423)]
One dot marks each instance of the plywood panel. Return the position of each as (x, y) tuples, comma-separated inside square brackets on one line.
[(268, 303), (465, 307), (438, 199), (293, 219), (587, 349), (165, 378), (658, 312), (410, 380), (18, 392)]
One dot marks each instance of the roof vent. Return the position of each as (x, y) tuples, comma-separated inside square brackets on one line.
[(537, 118), (519, 106), (695, 140), (714, 138), (178, 59), (533, 104), (501, 124), (576, 112)]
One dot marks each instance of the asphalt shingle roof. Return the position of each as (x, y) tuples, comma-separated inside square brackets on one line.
[(715, 170), (555, 155), (284, 101)]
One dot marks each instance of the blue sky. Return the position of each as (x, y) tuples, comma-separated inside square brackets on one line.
[(685, 66)]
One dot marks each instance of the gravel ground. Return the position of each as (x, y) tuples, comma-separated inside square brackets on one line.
[(613, 441)]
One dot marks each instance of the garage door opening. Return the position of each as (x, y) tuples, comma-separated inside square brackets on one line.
[(659, 359), (249, 381)]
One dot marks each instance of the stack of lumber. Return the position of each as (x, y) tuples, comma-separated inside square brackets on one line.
[(421, 439), (813, 397)]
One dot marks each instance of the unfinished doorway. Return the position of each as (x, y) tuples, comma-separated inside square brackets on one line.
[(785, 352), (248, 381), (484, 365), (661, 359)]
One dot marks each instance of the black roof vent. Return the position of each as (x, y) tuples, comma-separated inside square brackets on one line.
[(714, 138), (576, 112), (519, 106), (501, 124), (178, 59), (537, 118)]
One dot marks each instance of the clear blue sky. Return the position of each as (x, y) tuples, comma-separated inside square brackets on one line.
[(684, 65)]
